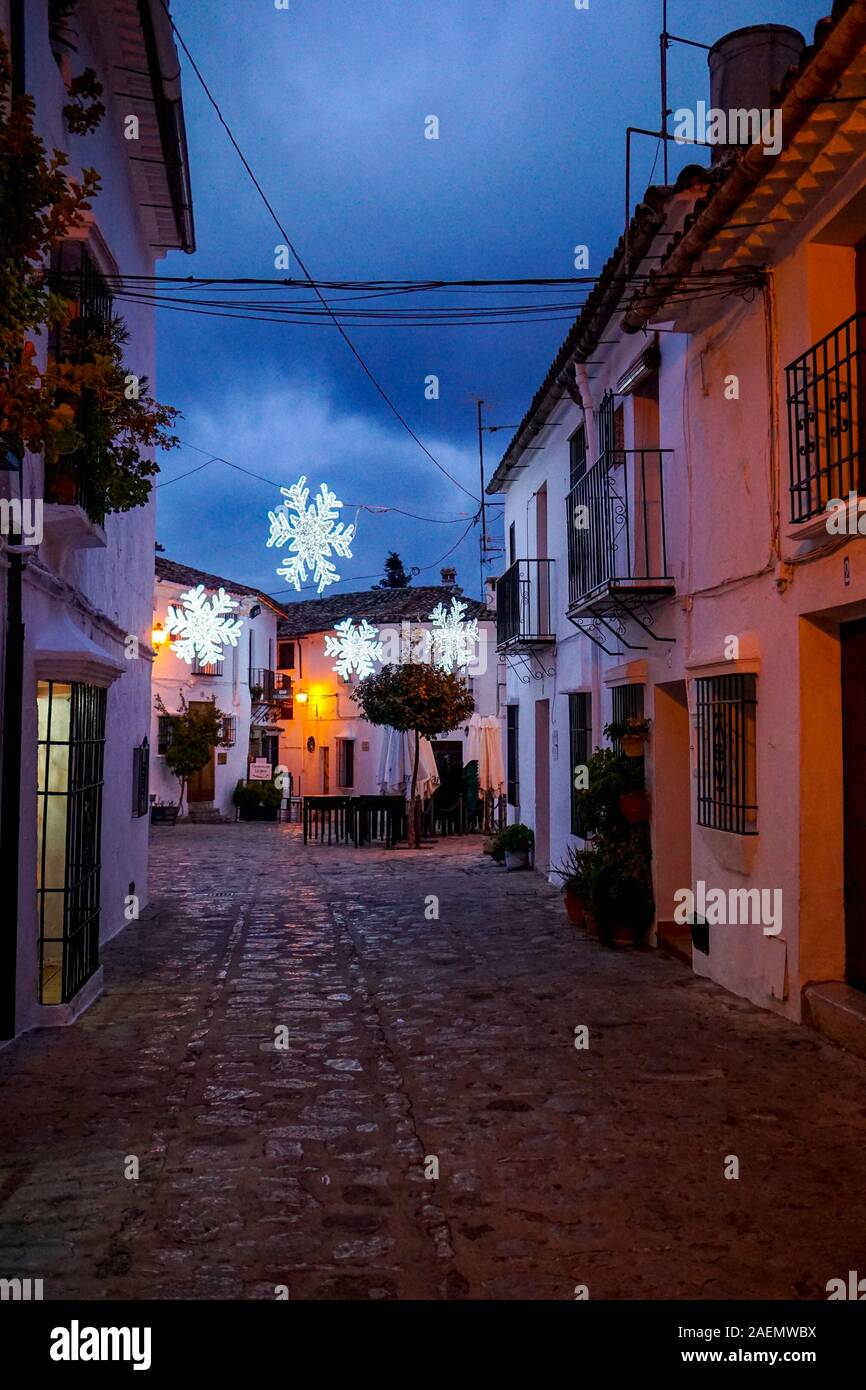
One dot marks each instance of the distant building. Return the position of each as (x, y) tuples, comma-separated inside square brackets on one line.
[(243, 685), (327, 746)]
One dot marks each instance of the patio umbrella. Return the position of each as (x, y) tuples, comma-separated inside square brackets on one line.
[(491, 769), (395, 765), (473, 738)]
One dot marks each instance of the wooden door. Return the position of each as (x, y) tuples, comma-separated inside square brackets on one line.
[(854, 782), (326, 770), (202, 784)]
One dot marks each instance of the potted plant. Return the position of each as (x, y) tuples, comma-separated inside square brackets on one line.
[(494, 848), (613, 794), (257, 800), (164, 813), (516, 842), (622, 894), (578, 872), (631, 734)]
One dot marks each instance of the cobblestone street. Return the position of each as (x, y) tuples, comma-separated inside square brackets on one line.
[(408, 1039)]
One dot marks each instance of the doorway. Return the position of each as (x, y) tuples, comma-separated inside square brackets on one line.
[(325, 761), (202, 784), (542, 785), (853, 638)]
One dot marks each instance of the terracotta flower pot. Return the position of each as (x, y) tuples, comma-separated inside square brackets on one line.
[(575, 907), (632, 745), (635, 807)]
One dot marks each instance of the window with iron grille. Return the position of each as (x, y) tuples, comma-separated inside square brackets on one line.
[(577, 455), (141, 778), (727, 798), (229, 731), (825, 389), (286, 656), (207, 668), (511, 751), (580, 743), (345, 762), (73, 273), (626, 702), (165, 732), (70, 755)]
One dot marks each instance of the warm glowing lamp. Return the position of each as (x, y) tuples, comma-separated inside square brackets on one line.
[(302, 697), (158, 636)]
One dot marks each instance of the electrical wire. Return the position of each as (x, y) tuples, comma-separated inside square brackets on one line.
[(356, 354)]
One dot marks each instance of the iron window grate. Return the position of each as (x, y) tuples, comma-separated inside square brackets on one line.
[(580, 744), (727, 797), (626, 702), (824, 388), (511, 749), (71, 744), (141, 779)]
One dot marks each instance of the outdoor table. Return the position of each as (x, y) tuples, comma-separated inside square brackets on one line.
[(379, 818), (328, 813)]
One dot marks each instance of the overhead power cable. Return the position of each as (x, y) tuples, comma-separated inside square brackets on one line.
[(351, 346)]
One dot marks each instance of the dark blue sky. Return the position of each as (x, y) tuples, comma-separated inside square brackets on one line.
[(328, 101)]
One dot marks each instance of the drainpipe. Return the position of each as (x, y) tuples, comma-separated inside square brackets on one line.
[(584, 390)]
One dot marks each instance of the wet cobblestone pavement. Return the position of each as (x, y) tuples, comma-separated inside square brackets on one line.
[(410, 1039)]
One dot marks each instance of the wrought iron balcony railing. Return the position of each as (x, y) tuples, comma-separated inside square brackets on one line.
[(617, 545), (825, 388), (523, 615), (269, 687)]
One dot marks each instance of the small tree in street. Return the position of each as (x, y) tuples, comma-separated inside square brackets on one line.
[(195, 734), (417, 698)]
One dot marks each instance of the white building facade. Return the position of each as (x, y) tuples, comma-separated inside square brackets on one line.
[(667, 514), (76, 606), (242, 684)]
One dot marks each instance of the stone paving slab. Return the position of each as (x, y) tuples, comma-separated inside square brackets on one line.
[(408, 1040)]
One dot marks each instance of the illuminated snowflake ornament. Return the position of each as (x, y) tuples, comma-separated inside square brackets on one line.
[(312, 534), (455, 642), (202, 628), (356, 648)]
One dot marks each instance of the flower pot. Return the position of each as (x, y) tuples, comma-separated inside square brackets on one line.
[(575, 907), (635, 807), (62, 487), (632, 745), (516, 859), (163, 815)]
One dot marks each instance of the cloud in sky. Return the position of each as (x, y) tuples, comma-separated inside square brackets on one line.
[(217, 518)]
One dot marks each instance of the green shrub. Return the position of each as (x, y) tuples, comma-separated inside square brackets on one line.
[(249, 795), (516, 838)]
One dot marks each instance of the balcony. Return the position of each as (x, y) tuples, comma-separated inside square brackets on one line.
[(523, 616), (825, 388), (617, 546), (269, 687)]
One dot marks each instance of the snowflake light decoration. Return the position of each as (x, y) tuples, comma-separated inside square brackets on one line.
[(356, 648), (454, 641), (202, 627), (311, 534)]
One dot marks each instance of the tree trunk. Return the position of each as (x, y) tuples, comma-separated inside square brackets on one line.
[(413, 835)]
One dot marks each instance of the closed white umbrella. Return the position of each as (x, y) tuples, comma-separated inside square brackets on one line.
[(396, 761), (491, 767), (474, 739)]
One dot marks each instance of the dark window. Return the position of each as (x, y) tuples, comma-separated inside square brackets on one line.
[(611, 427), (229, 731), (577, 455), (727, 797), (286, 656), (165, 732), (70, 752), (345, 762), (512, 544), (74, 275), (205, 668), (580, 742), (511, 748), (626, 703), (140, 778)]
